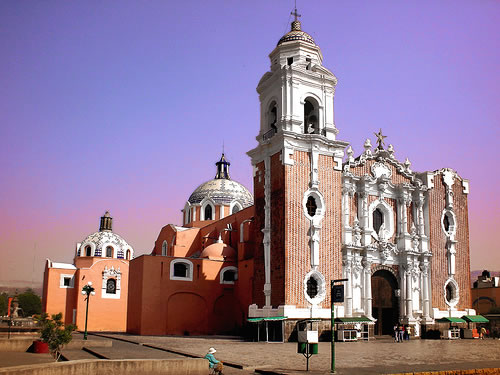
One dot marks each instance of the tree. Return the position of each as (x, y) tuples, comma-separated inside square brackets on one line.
[(4, 302), (30, 303), (55, 333)]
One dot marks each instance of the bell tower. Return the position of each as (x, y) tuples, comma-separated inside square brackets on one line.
[(297, 183)]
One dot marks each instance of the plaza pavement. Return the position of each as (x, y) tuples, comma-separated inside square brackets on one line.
[(380, 356)]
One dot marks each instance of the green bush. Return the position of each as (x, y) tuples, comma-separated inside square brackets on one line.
[(55, 333)]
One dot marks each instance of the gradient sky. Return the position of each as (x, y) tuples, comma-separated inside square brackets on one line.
[(124, 106)]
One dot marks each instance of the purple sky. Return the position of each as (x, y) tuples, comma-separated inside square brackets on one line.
[(123, 106)]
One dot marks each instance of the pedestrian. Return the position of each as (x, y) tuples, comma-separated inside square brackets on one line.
[(396, 335), (401, 333), (408, 332), (483, 332), (213, 363)]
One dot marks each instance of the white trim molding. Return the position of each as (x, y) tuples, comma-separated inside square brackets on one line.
[(71, 278), (189, 270)]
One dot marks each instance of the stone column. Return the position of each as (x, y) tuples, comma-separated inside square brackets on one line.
[(368, 287), (402, 293), (409, 304), (425, 292), (348, 285)]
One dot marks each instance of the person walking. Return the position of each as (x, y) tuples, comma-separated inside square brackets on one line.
[(396, 334), (401, 332)]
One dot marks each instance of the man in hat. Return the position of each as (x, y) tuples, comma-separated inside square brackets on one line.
[(212, 362)]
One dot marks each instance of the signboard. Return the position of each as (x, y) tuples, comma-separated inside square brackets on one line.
[(338, 293)]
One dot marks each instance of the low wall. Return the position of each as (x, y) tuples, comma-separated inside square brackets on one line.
[(17, 344), (122, 367), (20, 344)]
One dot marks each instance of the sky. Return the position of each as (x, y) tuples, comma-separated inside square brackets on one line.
[(124, 106)]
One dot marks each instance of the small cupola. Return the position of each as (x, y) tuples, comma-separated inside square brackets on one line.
[(106, 223), (223, 168)]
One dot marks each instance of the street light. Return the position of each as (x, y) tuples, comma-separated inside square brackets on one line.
[(87, 291), (336, 295)]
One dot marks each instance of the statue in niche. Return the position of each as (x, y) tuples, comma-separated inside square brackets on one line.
[(356, 233)]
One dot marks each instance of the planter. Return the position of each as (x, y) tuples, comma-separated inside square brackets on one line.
[(40, 347)]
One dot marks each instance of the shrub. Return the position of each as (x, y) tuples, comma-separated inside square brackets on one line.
[(55, 333)]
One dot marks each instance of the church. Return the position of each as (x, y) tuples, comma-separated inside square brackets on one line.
[(318, 212)]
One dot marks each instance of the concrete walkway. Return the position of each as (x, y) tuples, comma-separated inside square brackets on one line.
[(381, 356)]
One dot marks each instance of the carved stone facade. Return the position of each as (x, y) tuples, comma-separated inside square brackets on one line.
[(368, 219)]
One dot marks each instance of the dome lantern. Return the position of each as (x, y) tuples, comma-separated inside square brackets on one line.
[(223, 168), (106, 223)]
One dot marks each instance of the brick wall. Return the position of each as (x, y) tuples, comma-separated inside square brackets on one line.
[(437, 204)]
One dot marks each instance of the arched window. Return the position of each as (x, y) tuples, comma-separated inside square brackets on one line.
[(449, 292), (88, 251), (128, 254), (229, 275), (111, 286), (311, 206), (446, 223), (378, 220), (180, 270), (273, 116), (312, 287), (164, 248), (109, 252), (236, 208), (311, 123), (208, 212)]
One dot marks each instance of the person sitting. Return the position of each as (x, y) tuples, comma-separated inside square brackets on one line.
[(214, 364)]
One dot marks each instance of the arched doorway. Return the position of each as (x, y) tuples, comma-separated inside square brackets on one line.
[(385, 306)]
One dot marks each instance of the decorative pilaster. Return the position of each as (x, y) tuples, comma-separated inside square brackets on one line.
[(347, 265), (424, 267), (408, 295), (267, 230)]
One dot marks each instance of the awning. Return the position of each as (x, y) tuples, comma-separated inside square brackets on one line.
[(357, 319), (475, 318), (268, 319), (450, 320)]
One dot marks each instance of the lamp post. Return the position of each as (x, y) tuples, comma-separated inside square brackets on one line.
[(87, 291), (336, 295)]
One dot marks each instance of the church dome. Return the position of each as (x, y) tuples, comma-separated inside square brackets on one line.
[(219, 251), (222, 190), (295, 34), (105, 243)]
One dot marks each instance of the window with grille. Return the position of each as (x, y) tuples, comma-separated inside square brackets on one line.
[(312, 287), (111, 286)]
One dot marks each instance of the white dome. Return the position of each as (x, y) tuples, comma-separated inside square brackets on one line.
[(222, 191), (99, 241)]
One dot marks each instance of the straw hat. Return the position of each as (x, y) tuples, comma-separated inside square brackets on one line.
[(212, 350)]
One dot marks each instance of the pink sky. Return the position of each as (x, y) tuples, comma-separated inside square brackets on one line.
[(124, 106)]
